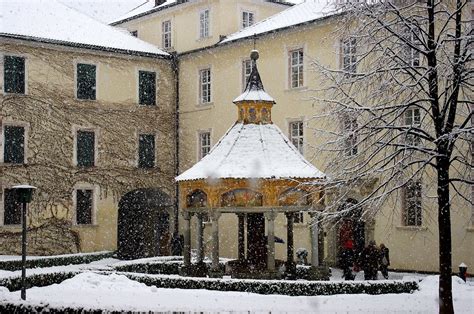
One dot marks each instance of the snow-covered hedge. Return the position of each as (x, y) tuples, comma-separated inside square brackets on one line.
[(49, 261), (36, 280), (165, 268), (283, 287)]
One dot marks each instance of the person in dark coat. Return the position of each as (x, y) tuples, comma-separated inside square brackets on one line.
[(384, 260), (347, 260), (370, 261)]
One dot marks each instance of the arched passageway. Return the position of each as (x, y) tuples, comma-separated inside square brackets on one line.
[(143, 224)]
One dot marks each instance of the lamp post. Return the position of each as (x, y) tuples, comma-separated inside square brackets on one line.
[(24, 194), (463, 271)]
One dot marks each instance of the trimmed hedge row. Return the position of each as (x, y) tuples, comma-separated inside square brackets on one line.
[(165, 268), (13, 265), (36, 280), (290, 288)]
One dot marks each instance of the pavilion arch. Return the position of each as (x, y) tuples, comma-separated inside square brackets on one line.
[(197, 198), (295, 197), (241, 198)]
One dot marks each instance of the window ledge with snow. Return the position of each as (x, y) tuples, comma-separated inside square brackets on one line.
[(412, 228)]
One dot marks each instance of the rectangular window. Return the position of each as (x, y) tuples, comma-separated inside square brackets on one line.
[(204, 24), (11, 208), (146, 151), (85, 148), (296, 135), (204, 144), (412, 118), (298, 218), (147, 88), (246, 70), (349, 127), (247, 19), (205, 86), (14, 74), (14, 144), (349, 56), (134, 33), (166, 34), (86, 81), (84, 206), (296, 68), (412, 203)]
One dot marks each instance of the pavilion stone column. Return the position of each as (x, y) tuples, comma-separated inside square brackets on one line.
[(314, 239), (187, 238), (200, 238), (241, 236), (215, 241), (270, 216), (290, 264)]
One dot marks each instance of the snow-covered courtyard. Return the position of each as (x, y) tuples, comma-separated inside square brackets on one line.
[(115, 292)]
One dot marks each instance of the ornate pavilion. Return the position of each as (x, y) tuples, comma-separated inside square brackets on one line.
[(255, 173)]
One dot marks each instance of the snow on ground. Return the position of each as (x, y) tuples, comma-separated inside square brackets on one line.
[(116, 292), (31, 257)]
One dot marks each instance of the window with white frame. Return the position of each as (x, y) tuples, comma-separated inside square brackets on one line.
[(296, 68), (205, 86), (11, 208), (248, 19), (204, 24), (84, 201), (349, 56), (410, 54), (13, 144), (166, 34), (412, 119), (412, 213), (246, 71), (349, 128), (14, 74), (204, 144), (297, 134), (147, 88)]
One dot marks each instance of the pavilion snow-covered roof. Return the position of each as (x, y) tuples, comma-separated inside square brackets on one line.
[(49, 21), (252, 151), (298, 14)]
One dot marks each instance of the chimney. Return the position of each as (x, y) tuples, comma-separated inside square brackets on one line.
[(159, 2)]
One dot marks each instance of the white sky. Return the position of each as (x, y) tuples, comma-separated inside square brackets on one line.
[(108, 10)]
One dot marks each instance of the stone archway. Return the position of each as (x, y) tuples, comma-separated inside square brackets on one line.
[(143, 224)]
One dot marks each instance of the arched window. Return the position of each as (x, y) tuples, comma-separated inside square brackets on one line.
[(196, 199), (252, 115), (265, 115), (241, 198)]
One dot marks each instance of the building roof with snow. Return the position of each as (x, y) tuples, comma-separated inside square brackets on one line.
[(49, 21), (302, 13), (151, 6), (254, 148)]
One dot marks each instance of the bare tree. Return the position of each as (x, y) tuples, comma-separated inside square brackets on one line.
[(403, 101)]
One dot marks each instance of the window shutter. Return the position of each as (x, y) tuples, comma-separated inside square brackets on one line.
[(147, 88), (146, 151), (14, 151), (84, 205), (86, 81), (85, 148), (14, 74)]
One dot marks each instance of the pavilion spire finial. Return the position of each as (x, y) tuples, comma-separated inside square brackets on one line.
[(254, 105)]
